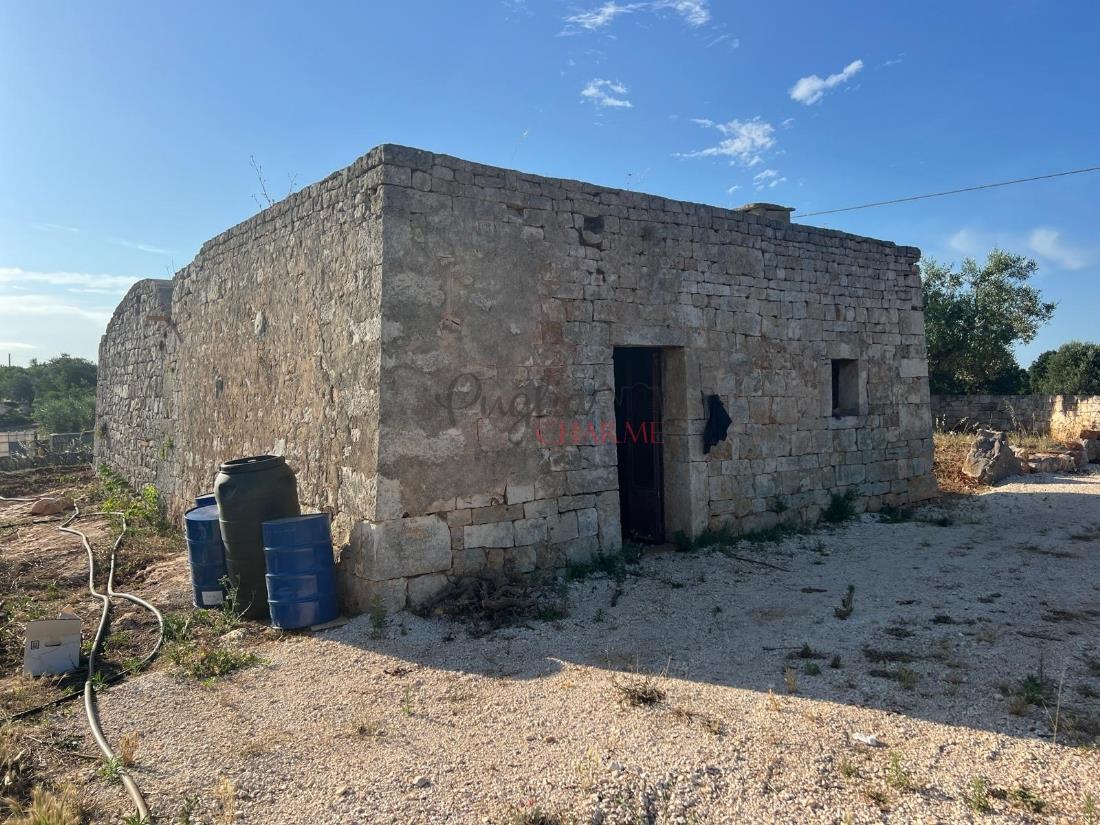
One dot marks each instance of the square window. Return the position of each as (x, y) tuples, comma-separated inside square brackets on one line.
[(845, 387)]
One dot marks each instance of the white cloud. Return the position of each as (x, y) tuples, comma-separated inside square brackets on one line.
[(968, 242), (602, 94), (744, 141), (143, 247), (694, 13), (1048, 243), (809, 90), (10, 345), (787, 123), (1043, 241), (734, 42), (733, 189), (20, 278), (768, 179), (49, 305), (598, 18)]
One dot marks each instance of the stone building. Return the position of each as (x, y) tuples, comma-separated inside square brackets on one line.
[(479, 369)]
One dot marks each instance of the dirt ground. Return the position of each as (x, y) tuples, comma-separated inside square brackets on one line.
[(697, 688)]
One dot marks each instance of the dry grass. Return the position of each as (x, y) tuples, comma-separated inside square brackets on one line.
[(951, 451), (638, 690), (128, 747), (49, 808)]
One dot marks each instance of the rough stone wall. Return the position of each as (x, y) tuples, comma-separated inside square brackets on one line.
[(1058, 415), (134, 421), (501, 287), (430, 343), (278, 326)]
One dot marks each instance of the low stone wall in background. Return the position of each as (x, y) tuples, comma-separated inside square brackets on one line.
[(1062, 416), (26, 462)]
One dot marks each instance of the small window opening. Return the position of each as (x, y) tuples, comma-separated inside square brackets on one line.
[(845, 387)]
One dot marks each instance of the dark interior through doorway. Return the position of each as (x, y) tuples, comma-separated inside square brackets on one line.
[(638, 431)]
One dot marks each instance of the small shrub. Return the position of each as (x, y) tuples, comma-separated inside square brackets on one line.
[(1034, 689), (835, 662), (894, 515), (208, 661), (111, 770), (841, 506), (812, 669), (847, 769), (790, 680), (534, 816), (187, 809), (976, 796), (15, 769), (638, 690), (377, 615), (847, 604), (1022, 797), (226, 794), (896, 774), (128, 747), (806, 652), (48, 808)]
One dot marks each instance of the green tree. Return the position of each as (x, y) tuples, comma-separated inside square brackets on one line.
[(67, 412), (62, 374), (1072, 369), (974, 316), (16, 385)]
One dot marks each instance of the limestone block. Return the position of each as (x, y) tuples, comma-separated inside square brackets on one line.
[(530, 531), (520, 493), (400, 548), (540, 508), (990, 458), (468, 562), (524, 559), (587, 522), (359, 595), (499, 534), (592, 481), (423, 590), (562, 527)]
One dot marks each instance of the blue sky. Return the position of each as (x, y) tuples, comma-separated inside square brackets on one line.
[(126, 128)]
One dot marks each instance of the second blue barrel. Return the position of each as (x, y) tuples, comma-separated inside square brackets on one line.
[(301, 575), (205, 555), (205, 500)]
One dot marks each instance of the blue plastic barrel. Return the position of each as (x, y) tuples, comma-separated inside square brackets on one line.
[(301, 575), (205, 500), (206, 555)]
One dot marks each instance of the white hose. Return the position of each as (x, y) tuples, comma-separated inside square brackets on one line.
[(105, 598)]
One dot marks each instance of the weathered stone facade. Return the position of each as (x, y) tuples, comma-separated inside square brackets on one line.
[(1063, 416), (134, 425), (430, 342)]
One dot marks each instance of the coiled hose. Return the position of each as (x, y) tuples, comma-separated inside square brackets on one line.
[(89, 691)]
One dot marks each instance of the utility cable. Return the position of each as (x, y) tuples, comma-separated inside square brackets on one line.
[(948, 192)]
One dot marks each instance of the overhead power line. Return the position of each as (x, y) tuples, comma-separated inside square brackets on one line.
[(948, 192)]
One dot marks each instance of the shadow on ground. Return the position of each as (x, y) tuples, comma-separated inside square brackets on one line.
[(985, 615)]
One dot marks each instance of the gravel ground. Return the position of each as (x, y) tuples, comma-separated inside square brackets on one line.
[(418, 722)]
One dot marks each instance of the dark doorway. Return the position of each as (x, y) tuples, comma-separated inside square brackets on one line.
[(639, 435)]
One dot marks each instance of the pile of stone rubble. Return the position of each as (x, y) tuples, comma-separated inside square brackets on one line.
[(992, 458)]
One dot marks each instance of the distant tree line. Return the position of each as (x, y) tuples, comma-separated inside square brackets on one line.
[(974, 317), (57, 395)]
